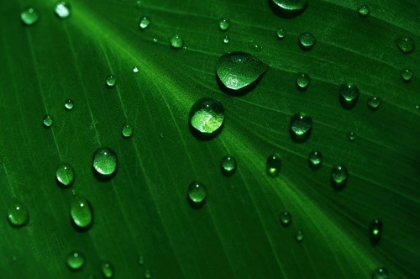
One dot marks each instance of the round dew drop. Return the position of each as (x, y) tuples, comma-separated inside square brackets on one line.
[(105, 161), (68, 104), (147, 273), (315, 159), (339, 176), (197, 192), (176, 41), (299, 236), (226, 39), (375, 230), (273, 165), (406, 44), (287, 8), (300, 127), (75, 260), (107, 270), (406, 75), (302, 81), (17, 214), (281, 33), (224, 24), (374, 103), (65, 175), (206, 117), (47, 121), (285, 218), (363, 10), (307, 40), (81, 212), (228, 165), (144, 22), (349, 95), (62, 10), (110, 80), (380, 273), (29, 16), (127, 131), (352, 136)]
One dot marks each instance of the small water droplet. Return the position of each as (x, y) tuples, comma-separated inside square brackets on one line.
[(363, 10), (380, 273), (17, 214), (288, 8), (65, 174), (29, 16), (302, 81), (141, 260), (197, 192), (285, 218), (352, 136), (62, 10), (107, 270), (176, 42), (239, 70), (339, 176), (299, 236), (281, 33), (47, 121), (307, 40), (226, 39), (68, 104), (135, 70), (406, 75), (105, 161), (81, 212), (228, 165), (349, 95), (162, 135), (155, 40), (147, 273), (254, 46), (300, 127), (206, 117), (224, 24), (406, 44), (315, 159), (374, 103), (273, 165), (375, 231), (144, 22), (110, 80), (75, 260), (127, 131)]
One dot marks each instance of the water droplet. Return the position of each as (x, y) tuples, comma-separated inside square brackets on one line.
[(107, 270), (307, 40), (375, 231), (239, 70), (352, 136), (288, 8), (315, 159), (155, 40), (176, 42), (300, 127), (380, 273), (281, 33), (254, 46), (374, 103), (144, 22), (111, 80), (147, 273), (62, 10), (363, 10), (406, 75), (75, 260), (339, 176), (226, 39), (68, 104), (285, 218), (141, 260), (206, 117), (302, 81), (48, 121), (162, 135), (105, 161), (29, 16), (197, 192), (273, 165), (349, 95), (127, 131), (65, 175), (224, 24), (406, 44), (299, 236), (135, 70), (81, 212), (17, 214), (228, 165)]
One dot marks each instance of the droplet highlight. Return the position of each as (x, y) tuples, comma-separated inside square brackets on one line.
[(144, 22), (349, 95), (228, 165), (299, 236), (226, 39), (176, 41), (206, 117), (107, 270), (363, 10), (285, 218), (339, 176), (17, 214), (127, 131), (197, 192), (68, 104), (375, 231), (302, 81), (352, 136), (307, 40), (105, 161), (62, 10), (47, 121), (224, 24), (380, 273), (406, 45), (288, 8), (407, 75), (110, 80), (81, 212), (65, 174), (75, 260), (374, 103), (315, 160), (300, 127), (29, 16), (273, 165), (281, 33)]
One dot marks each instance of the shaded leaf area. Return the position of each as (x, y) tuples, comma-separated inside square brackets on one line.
[(143, 210)]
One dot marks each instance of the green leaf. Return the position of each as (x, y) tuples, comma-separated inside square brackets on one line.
[(143, 210)]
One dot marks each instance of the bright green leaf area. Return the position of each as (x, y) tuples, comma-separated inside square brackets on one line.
[(144, 209)]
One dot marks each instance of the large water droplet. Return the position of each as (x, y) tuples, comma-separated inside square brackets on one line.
[(197, 193), (363, 10), (127, 131), (206, 118), (110, 80), (224, 24), (107, 270), (17, 214), (144, 22), (65, 175), (288, 8), (300, 127), (81, 212), (281, 33), (374, 103), (105, 161), (75, 260), (406, 44), (352, 136), (176, 41), (380, 273), (237, 71), (228, 165), (315, 160), (349, 95), (339, 176), (62, 10), (47, 121), (406, 75), (29, 16), (299, 236), (307, 40), (285, 218), (68, 104), (302, 81), (375, 231), (273, 165)]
